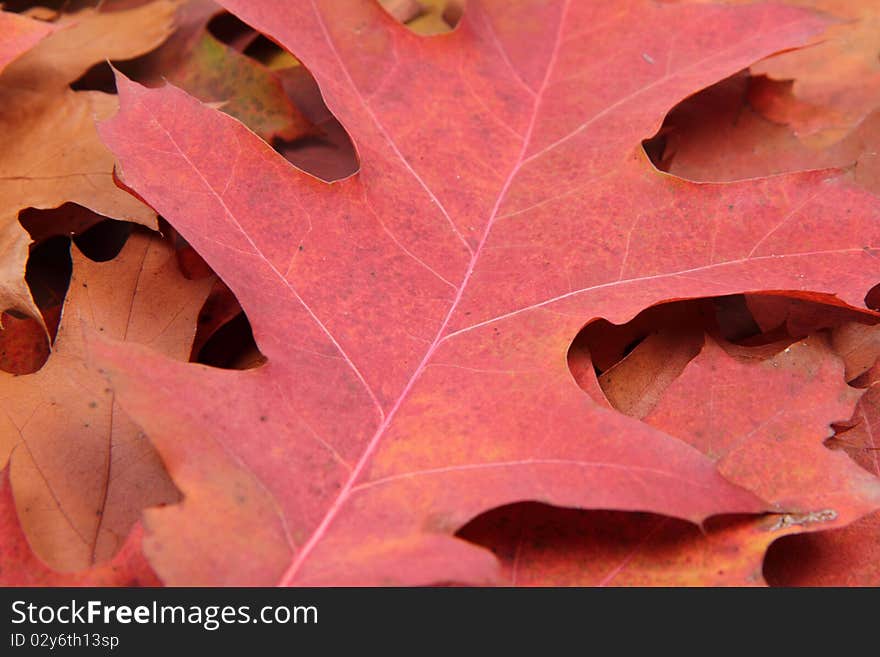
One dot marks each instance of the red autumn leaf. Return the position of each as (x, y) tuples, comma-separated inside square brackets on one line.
[(416, 317)]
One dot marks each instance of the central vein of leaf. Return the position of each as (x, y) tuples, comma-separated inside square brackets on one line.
[(346, 490)]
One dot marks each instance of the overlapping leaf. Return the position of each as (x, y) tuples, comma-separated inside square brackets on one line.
[(748, 418), (81, 470), (721, 134), (214, 72), (427, 401), (49, 151), (20, 34), (835, 83), (751, 417), (849, 556), (20, 567)]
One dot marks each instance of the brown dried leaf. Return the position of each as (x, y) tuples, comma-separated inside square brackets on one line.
[(49, 149), (81, 470)]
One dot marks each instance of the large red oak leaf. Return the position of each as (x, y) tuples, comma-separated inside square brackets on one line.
[(416, 316)]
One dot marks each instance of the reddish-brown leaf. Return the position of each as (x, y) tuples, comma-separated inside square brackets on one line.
[(416, 317), (836, 83), (24, 345), (425, 16), (754, 420), (195, 60), (842, 557), (67, 219), (719, 136), (858, 345), (765, 423), (802, 315), (635, 384), (330, 155)]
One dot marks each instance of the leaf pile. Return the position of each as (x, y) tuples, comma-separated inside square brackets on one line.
[(417, 292)]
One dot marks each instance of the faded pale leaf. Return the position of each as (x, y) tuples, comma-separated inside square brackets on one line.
[(82, 471), (19, 566)]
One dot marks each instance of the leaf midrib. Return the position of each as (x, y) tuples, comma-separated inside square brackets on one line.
[(347, 489)]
